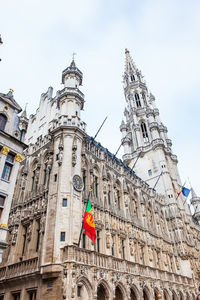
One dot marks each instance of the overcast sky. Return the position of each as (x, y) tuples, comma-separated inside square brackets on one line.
[(163, 38)]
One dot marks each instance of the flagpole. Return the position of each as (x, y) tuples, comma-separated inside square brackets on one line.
[(100, 128), (83, 219), (157, 180), (123, 139)]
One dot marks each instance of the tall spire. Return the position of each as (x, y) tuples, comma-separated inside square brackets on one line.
[(131, 72), (148, 149), (129, 63)]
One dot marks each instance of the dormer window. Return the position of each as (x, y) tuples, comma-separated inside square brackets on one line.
[(137, 99), (3, 120)]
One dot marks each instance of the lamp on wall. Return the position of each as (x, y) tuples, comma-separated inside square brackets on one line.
[(158, 296)]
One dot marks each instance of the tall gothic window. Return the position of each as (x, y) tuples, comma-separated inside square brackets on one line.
[(33, 180), (118, 200), (96, 186), (123, 249), (38, 235), (3, 121), (98, 241), (84, 180), (144, 132), (24, 240), (137, 99)]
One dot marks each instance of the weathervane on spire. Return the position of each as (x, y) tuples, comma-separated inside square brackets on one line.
[(73, 54)]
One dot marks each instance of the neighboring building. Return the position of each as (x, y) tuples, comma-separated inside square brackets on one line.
[(12, 131), (148, 244)]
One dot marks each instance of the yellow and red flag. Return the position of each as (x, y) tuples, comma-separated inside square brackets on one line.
[(88, 222)]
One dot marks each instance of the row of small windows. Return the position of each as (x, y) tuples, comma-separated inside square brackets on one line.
[(16, 295)]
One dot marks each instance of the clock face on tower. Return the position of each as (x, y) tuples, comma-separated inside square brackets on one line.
[(77, 183)]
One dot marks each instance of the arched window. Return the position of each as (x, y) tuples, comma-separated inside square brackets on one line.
[(3, 121), (137, 99), (144, 131), (132, 77)]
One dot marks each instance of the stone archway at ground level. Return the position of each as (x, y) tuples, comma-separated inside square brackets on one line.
[(101, 293), (118, 294), (166, 295), (145, 295), (133, 295)]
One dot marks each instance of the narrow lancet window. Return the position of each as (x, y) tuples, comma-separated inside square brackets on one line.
[(144, 132), (137, 99)]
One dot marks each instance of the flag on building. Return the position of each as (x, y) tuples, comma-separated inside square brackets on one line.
[(88, 222), (184, 191)]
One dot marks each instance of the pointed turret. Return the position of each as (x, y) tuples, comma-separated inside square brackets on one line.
[(195, 201), (23, 124), (72, 76)]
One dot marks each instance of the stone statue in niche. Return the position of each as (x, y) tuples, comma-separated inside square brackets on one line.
[(132, 247), (60, 154), (108, 240), (14, 235), (74, 150), (29, 232), (150, 254), (42, 223)]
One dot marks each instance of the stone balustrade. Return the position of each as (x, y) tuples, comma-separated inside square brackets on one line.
[(98, 260), (67, 121), (25, 267)]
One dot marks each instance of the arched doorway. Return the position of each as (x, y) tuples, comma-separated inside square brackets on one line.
[(181, 296), (145, 295), (83, 289), (101, 293), (166, 295), (157, 294), (133, 295), (174, 296), (118, 294)]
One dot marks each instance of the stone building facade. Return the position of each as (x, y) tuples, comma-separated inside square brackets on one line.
[(12, 133), (148, 243)]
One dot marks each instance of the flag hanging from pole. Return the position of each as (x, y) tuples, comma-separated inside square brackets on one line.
[(88, 222), (184, 191)]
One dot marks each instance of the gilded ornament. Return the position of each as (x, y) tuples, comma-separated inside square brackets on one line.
[(18, 157), (5, 150), (4, 225)]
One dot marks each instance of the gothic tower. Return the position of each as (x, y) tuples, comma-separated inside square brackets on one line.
[(147, 148)]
